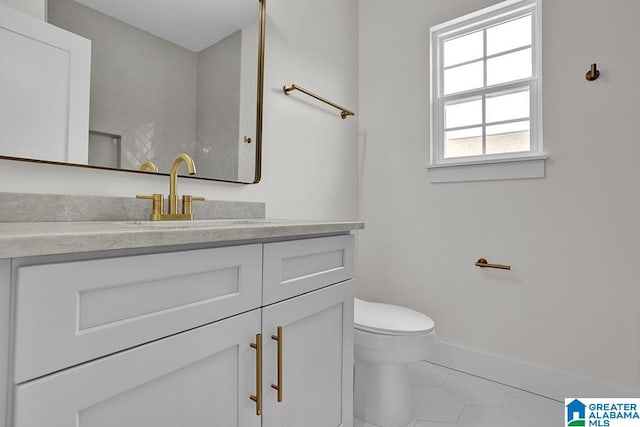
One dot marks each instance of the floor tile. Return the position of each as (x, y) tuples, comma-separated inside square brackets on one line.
[(509, 389), (472, 390), (432, 424), (534, 410), (435, 404), (357, 422), (448, 398), (425, 373), (482, 416)]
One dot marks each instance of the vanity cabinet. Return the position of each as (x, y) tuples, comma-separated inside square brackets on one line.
[(169, 339)]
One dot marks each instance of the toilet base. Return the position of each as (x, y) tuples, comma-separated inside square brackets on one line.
[(382, 394)]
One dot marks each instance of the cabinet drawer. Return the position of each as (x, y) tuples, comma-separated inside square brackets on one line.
[(68, 313), (295, 267), (202, 377)]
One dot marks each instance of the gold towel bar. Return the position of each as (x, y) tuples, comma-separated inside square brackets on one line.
[(343, 111), (484, 264)]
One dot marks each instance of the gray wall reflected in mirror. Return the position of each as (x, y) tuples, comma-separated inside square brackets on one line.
[(158, 98), (105, 149)]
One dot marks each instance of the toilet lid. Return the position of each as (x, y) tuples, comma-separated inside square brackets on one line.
[(390, 319)]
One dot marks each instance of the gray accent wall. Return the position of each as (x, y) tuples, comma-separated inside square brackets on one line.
[(163, 99), (248, 105), (142, 87), (218, 103)]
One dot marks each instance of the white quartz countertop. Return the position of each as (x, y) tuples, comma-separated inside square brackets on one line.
[(21, 239)]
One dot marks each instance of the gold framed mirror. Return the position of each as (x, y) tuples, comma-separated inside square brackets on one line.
[(186, 77)]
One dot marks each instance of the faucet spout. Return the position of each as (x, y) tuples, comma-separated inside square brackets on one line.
[(173, 179), (149, 166)]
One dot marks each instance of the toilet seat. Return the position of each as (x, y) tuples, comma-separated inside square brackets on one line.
[(388, 319)]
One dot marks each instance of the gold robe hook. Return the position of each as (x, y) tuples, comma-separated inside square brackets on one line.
[(593, 73)]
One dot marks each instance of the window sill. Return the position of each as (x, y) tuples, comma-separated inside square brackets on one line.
[(488, 170)]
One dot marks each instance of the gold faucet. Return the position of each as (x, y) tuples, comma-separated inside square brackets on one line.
[(172, 210), (149, 166), (173, 180)]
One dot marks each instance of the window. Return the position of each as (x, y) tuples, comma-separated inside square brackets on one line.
[(486, 105)]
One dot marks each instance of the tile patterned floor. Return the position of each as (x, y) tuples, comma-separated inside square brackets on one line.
[(447, 398)]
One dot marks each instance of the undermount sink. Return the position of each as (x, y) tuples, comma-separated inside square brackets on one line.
[(201, 223)]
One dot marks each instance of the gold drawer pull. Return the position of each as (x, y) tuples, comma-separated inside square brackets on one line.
[(279, 386), (484, 264), (258, 396)]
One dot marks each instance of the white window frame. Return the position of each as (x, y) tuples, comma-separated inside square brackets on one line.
[(529, 164)]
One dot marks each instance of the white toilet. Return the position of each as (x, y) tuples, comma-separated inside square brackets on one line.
[(387, 338)]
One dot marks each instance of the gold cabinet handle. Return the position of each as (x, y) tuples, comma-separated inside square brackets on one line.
[(278, 387), (258, 396), (483, 263)]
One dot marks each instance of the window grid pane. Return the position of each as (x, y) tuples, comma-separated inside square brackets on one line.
[(464, 143), (509, 35), (465, 113), (508, 138), (466, 48), (464, 77), (510, 67), (508, 106)]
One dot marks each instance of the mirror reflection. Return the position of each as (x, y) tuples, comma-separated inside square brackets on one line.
[(169, 77)]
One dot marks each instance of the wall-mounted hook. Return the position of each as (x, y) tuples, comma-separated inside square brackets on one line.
[(592, 74)]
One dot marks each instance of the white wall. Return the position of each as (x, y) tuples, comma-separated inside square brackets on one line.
[(572, 300), (310, 154)]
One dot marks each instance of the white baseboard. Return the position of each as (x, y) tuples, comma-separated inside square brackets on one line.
[(523, 375)]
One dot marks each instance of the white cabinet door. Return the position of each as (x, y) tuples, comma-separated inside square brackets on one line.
[(317, 359), (44, 90), (199, 378)]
